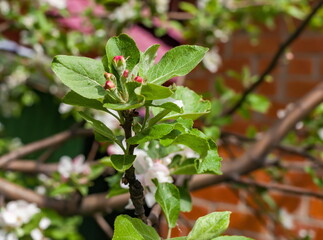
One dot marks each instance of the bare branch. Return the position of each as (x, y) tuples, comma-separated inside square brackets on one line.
[(279, 187), (274, 60), (41, 144), (256, 154), (106, 228)]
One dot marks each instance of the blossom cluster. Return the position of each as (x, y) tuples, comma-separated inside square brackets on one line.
[(15, 215)]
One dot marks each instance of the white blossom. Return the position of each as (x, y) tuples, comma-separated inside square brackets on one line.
[(68, 167), (44, 223), (4, 7), (159, 102), (7, 235), (299, 125), (64, 108), (286, 219), (320, 133), (17, 213), (59, 4), (36, 234), (123, 13), (281, 113), (109, 120), (162, 6), (222, 35), (212, 60), (202, 3)]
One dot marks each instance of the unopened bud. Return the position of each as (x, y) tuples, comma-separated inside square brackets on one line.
[(125, 73), (138, 79), (109, 85), (119, 63), (108, 76)]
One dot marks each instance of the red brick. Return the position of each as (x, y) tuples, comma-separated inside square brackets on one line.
[(197, 211), (228, 151), (316, 208), (288, 202), (264, 63), (267, 45), (199, 80), (261, 176), (220, 193), (300, 179), (291, 157), (274, 107), (321, 67), (235, 64), (308, 45), (268, 88), (318, 234), (234, 84), (300, 66), (297, 89), (246, 221)]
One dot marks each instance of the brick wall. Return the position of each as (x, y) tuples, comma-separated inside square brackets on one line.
[(295, 75)]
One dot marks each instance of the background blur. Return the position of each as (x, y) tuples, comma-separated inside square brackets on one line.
[(243, 37)]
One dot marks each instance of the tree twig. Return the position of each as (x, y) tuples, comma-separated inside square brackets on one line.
[(106, 228), (41, 144), (274, 60), (279, 187)]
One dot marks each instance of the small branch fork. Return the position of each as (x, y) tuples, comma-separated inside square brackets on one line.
[(274, 60)]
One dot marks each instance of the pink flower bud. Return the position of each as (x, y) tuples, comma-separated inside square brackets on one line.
[(117, 59), (108, 76), (125, 73), (109, 85), (138, 79)]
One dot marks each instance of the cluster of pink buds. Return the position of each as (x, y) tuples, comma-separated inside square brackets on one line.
[(138, 79), (109, 84)]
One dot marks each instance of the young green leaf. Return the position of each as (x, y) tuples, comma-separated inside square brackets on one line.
[(147, 60), (127, 228), (178, 61), (167, 196), (196, 143), (154, 132), (177, 238), (152, 91), (125, 46), (72, 98), (193, 105), (185, 199), (122, 162), (210, 226), (83, 75), (210, 164), (99, 127)]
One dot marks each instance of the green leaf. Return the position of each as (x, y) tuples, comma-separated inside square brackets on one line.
[(178, 61), (166, 105), (167, 196), (123, 45), (185, 199), (127, 228), (72, 98), (196, 143), (62, 189), (177, 238), (232, 238), (83, 75), (210, 226), (122, 162), (147, 60), (99, 127), (258, 103), (154, 132), (152, 91), (134, 101), (211, 163), (188, 167), (193, 105)]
